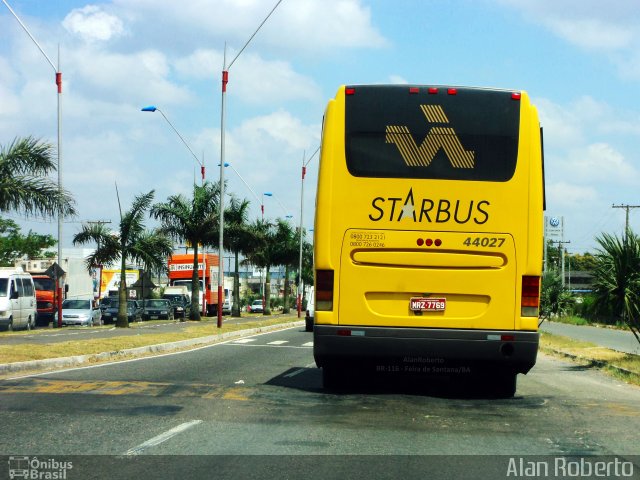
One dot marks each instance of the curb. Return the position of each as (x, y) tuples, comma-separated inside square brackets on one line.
[(64, 362), (592, 361)]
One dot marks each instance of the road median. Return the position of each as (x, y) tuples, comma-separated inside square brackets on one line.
[(30, 358)]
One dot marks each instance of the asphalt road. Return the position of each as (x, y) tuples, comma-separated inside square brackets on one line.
[(621, 340), (255, 408)]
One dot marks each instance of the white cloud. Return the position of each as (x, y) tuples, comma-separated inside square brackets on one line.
[(561, 195), (295, 26), (397, 79), (602, 164), (612, 29), (92, 24), (254, 80)]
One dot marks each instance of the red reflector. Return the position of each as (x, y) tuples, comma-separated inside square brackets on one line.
[(516, 96), (507, 338), (420, 242), (349, 91), (428, 242), (344, 333), (452, 91), (438, 242), (414, 90), (433, 90)]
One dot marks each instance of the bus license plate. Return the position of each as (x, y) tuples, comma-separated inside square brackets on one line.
[(427, 304)]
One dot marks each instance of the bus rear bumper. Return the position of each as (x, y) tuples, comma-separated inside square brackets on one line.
[(515, 351)]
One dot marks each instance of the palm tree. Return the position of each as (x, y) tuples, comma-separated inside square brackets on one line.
[(262, 253), (617, 278), (239, 239), (287, 253), (132, 242), (24, 185), (194, 221)]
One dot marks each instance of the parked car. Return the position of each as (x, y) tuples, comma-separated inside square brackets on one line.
[(79, 312), (106, 302), (134, 311), (256, 307), (158, 309), (226, 306), (181, 304)]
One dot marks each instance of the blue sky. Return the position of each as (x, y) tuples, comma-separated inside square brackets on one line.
[(580, 63)]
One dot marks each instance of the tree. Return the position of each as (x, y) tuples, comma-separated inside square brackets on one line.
[(24, 185), (286, 252), (132, 242), (14, 245), (617, 279), (555, 299), (195, 221), (238, 239), (262, 255)]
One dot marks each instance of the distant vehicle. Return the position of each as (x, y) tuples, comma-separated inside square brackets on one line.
[(79, 312), (256, 307), (17, 299), (45, 296), (226, 306), (311, 307), (158, 309), (180, 303), (181, 272), (106, 302), (134, 311)]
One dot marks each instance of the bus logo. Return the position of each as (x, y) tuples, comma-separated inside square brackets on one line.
[(437, 138)]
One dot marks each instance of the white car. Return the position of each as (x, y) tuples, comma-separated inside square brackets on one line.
[(80, 312), (256, 306)]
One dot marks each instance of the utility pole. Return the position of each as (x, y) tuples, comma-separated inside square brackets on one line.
[(560, 246), (626, 225)]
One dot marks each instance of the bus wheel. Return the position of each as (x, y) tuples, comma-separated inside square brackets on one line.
[(504, 385)]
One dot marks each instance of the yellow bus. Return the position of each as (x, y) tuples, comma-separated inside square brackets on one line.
[(428, 233)]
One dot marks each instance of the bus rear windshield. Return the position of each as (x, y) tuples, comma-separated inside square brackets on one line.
[(391, 132)]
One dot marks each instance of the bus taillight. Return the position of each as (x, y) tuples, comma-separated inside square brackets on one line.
[(349, 91), (452, 91), (324, 290), (530, 296)]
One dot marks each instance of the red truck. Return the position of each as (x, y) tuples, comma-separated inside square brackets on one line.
[(181, 272), (45, 298)]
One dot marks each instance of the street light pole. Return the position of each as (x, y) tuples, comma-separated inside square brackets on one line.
[(153, 108), (268, 194), (225, 80), (304, 171), (58, 74)]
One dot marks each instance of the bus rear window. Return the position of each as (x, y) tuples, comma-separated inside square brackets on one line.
[(391, 132)]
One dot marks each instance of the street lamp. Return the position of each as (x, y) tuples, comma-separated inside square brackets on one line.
[(225, 80), (153, 108), (59, 87), (268, 194), (304, 171)]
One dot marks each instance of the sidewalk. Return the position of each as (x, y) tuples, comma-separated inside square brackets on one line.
[(620, 340)]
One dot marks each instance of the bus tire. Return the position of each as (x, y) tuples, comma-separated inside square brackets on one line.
[(504, 385)]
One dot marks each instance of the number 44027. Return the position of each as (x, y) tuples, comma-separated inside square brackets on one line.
[(490, 242)]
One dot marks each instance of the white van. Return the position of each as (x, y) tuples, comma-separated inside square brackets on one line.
[(17, 300)]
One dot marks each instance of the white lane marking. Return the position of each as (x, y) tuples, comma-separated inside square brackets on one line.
[(163, 437), (245, 340), (308, 344), (278, 342), (295, 372)]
